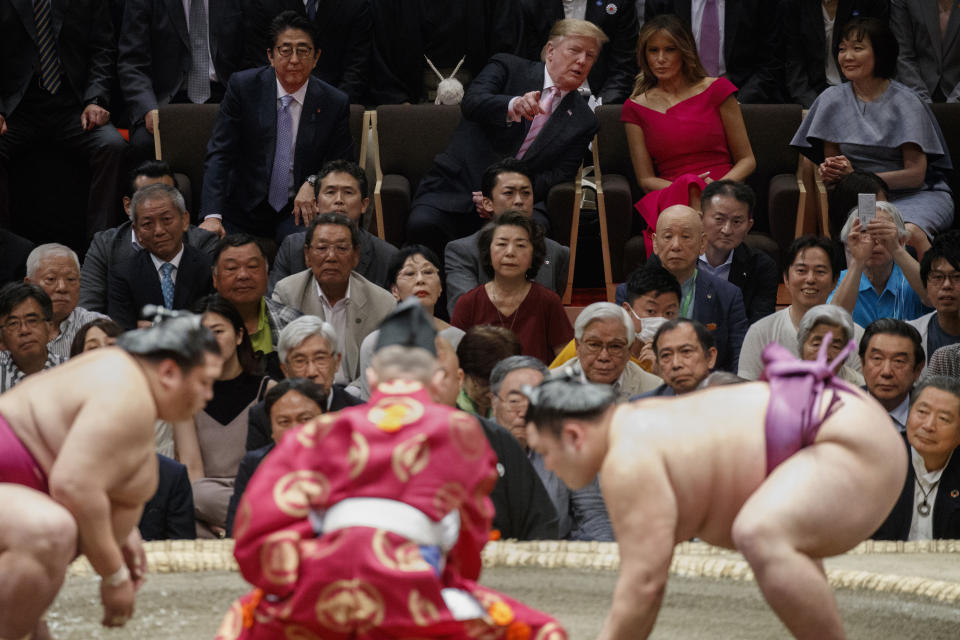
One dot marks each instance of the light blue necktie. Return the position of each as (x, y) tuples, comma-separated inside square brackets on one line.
[(282, 161), (166, 284)]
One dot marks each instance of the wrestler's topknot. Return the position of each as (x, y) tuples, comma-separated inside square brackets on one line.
[(175, 335), (564, 395)]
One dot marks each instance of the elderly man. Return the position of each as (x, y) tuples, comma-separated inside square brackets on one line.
[(712, 301), (928, 508), (394, 493), (775, 476), (685, 355), (506, 186), (892, 356), (940, 274), (604, 335), (507, 106), (26, 324), (308, 348), (727, 218), (56, 269), (77, 463), (112, 246), (331, 289), (812, 265), (582, 514), (342, 188), (288, 403), (168, 272), (881, 280), (240, 276)]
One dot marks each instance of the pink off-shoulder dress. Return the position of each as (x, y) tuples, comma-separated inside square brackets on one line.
[(683, 143)]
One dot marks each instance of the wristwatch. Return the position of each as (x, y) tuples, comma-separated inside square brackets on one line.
[(313, 179)]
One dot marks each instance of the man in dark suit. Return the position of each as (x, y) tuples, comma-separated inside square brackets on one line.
[(506, 186), (168, 515), (112, 246), (277, 125), (168, 272), (63, 95), (612, 76), (727, 217), (308, 349), (929, 505), (929, 61), (891, 353), (807, 67), (749, 42), (513, 108), (342, 188), (685, 355), (175, 51), (344, 38)]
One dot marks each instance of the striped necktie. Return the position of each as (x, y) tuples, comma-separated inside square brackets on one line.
[(166, 284), (546, 109), (279, 191), (50, 69)]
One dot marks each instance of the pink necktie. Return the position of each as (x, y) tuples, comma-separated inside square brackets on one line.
[(546, 108), (710, 38)]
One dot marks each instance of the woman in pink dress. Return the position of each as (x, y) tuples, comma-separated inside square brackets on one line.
[(684, 128)]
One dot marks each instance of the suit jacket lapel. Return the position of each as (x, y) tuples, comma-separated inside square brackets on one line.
[(179, 21), (25, 9), (268, 115), (150, 279), (355, 317), (703, 301), (558, 120), (931, 19), (189, 277), (953, 28), (312, 110)]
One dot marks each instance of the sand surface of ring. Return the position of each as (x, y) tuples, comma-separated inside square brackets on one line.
[(188, 606)]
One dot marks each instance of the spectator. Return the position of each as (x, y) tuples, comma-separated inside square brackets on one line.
[(56, 269), (496, 126), (522, 508), (874, 123), (331, 290), (65, 99), (245, 186), (240, 276), (884, 279), (892, 357), (289, 403), (845, 196), (406, 33), (512, 249), (727, 218), (715, 303), (945, 361), (741, 41), (929, 61), (13, 256), (612, 74), (212, 445), (479, 351), (309, 349), (178, 52), (674, 152), (344, 38), (604, 335), (812, 35), (940, 274), (168, 515), (814, 326), (342, 189), (113, 246), (933, 476), (414, 271), (168, 272), (506, 186), (685, 355), (26, 316), (582, 513), (96, 334), (812, 267)]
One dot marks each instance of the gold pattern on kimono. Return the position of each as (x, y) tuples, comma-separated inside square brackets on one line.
[(296, 492), (347, 606), (410, 457), (404, 556), (232, 624), (280, 558), (551, 631), (423, 612), (467, 435), (357, 454), (391, 413)]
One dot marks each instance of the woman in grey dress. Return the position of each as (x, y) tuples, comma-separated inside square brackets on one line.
[(873, 123)]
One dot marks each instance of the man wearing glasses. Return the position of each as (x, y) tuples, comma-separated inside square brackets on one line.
[(332, 290), (26, 316), (940, 273), (276, 127)]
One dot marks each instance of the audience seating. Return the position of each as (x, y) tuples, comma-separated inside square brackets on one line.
[(181, 134)]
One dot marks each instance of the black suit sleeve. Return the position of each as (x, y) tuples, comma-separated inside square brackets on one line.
[(768, 281), (222, 151), (621, 57), (257, 15), (258, 429), (180, 522), (120, 298), (357, 54), (93, 274), (101, 63), (245, 471), (485, 101), (135, 58), (796, 64)]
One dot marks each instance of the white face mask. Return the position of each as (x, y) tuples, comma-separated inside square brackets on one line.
[(649, 327)]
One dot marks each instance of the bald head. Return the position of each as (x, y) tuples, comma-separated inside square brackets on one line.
[(679, 240)]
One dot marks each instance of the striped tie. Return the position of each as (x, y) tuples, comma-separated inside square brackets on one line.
[(546, 108), (50, 68), (166, 284), (279, 191)]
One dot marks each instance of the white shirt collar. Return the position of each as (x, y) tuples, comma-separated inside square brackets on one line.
[(729, 260), (299, 95), (902, 411), (547, 83), (175, 261), (323, 296)]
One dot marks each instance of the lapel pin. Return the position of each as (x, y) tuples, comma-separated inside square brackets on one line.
[(569, 112), (954, 493), (711, 326), (611, 9)]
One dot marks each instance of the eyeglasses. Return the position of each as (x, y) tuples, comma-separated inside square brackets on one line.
[(286, 50), (338, 249), (615, 349), (515, 401), (426, 272), (937, 278), (30, 322), (318, 359)]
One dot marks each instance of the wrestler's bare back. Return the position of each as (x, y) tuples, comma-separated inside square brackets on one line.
[(721, 461), (104, 393)]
